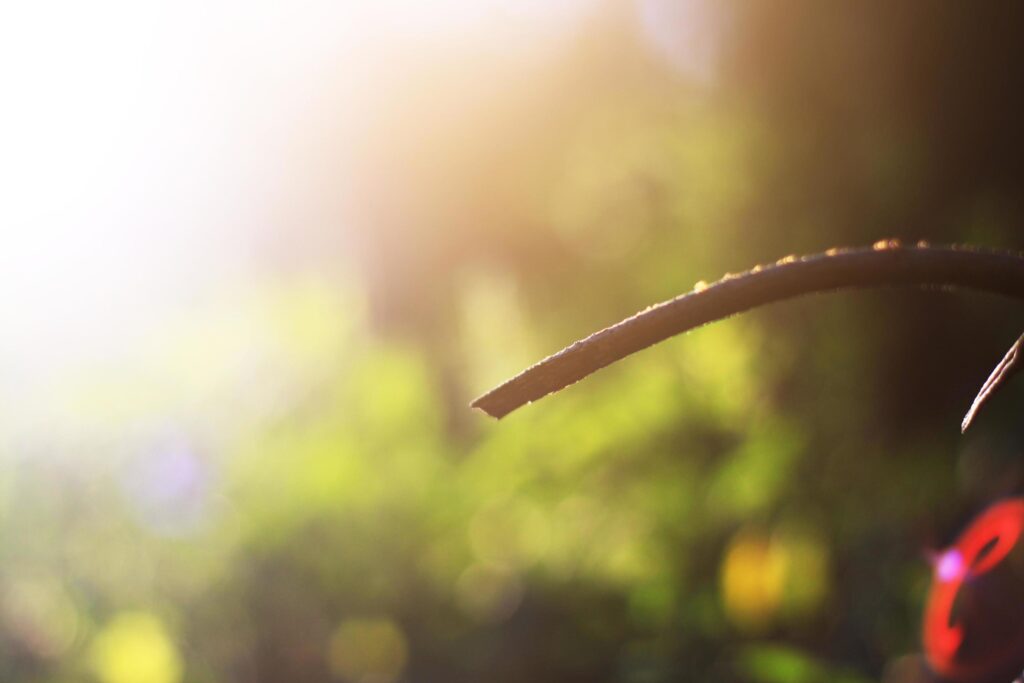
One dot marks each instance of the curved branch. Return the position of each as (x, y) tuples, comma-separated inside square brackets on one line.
[(885, 264)]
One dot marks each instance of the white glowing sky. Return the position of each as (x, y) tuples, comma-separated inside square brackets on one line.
[(142, 143), (144, 146)]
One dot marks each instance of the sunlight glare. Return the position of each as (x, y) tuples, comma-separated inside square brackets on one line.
[(148, 147)]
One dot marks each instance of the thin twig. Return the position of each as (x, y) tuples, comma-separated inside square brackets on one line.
[(1008, 366), (884, 265)]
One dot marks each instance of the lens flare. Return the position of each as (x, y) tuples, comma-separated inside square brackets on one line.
[(968, 632)]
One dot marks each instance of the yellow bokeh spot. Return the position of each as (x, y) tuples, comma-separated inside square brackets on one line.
[(135, 648), (753, 575), (767, 577), (367, 651)]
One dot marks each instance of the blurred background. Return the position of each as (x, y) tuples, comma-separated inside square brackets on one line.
[(256, 259)]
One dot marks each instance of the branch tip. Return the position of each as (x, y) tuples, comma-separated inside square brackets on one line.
[(1007, 367)]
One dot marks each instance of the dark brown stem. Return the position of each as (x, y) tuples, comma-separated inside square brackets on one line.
[(884, 265)]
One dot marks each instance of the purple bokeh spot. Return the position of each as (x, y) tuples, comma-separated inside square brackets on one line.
[(171, 475), (168, 488), (950, 566)]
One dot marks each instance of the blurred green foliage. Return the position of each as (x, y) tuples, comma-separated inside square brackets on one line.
[(301, 494)]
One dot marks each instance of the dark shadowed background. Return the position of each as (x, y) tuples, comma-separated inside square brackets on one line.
[(256, 259)]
